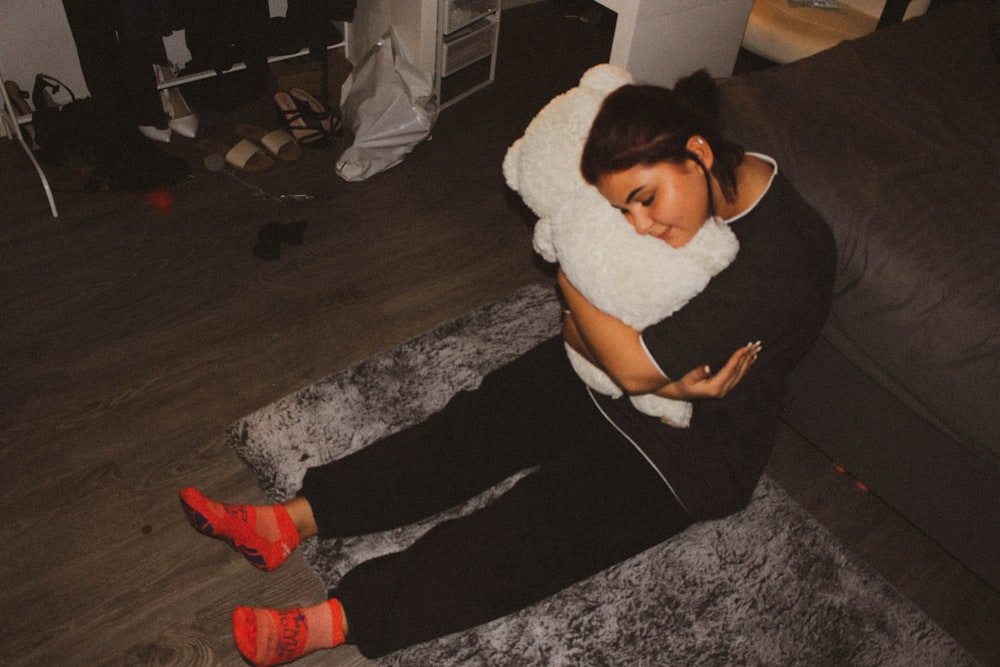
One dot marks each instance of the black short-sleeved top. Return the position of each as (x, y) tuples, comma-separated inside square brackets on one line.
[(778, 291)]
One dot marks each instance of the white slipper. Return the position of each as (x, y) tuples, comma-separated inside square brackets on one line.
[(278, 143), (244, 156)]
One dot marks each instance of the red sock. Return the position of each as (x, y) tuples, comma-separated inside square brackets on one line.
[(265, 535), (275, 636)]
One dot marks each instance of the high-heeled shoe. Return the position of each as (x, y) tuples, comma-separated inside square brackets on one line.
[(19, 100), (182, 119), (310, 121), (319, 110), (306, 130), (154, 133)]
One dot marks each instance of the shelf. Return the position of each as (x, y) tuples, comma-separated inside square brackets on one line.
[(468, 46), (207, 74), (467, 37), (460, 13)]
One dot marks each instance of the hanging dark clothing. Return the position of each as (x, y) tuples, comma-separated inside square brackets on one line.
[(117, 42)]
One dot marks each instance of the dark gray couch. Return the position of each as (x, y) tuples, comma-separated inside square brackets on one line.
[(895, 139)]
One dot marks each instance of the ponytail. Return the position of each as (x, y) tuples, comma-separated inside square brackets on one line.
[(641, 124)]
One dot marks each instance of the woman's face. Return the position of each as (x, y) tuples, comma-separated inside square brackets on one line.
[(666, 200)]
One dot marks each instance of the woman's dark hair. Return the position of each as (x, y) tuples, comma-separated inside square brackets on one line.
[(641, 124)]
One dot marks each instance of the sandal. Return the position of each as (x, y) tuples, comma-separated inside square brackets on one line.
[(308, 105), (308, 120), (278, 143), (244, 156)]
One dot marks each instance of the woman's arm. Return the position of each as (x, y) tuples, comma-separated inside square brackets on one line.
[(616, 348), (609, 344)]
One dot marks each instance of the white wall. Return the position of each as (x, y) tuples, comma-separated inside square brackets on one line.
[(415, 22), (35, 38)]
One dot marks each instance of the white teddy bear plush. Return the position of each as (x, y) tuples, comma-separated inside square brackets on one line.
[(638, 279)]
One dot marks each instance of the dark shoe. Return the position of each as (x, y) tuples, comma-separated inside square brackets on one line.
[(273, 234), (306, 129), (318, 111)]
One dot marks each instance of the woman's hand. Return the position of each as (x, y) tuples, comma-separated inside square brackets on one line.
[(616, 349), (701, 383)]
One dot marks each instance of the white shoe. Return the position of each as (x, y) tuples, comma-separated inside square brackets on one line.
[(183, 121), (155, 133)]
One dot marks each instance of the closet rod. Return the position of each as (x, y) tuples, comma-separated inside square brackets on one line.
[(207, 74)]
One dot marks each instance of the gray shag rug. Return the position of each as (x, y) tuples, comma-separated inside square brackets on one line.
[(767, 586)]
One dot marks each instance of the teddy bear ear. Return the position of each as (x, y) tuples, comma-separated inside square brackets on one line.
[(605, 78), (510, 164)]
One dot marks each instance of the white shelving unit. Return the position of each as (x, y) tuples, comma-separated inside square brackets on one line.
[(10, 122), (467, 37), (453, 42)]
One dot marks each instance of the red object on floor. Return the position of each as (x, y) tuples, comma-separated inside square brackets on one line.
[(160, 199)]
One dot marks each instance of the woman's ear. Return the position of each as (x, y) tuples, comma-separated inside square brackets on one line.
[(697, 145)]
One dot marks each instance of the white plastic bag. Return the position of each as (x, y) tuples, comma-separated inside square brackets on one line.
[(389, 107)]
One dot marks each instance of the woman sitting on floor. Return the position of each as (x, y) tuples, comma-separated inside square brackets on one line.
[(609, 481)]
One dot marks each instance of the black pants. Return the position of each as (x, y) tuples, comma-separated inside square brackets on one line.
[(117, 43), (591, 502)]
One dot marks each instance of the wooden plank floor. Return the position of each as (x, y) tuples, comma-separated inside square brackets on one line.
[(132, 337)]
